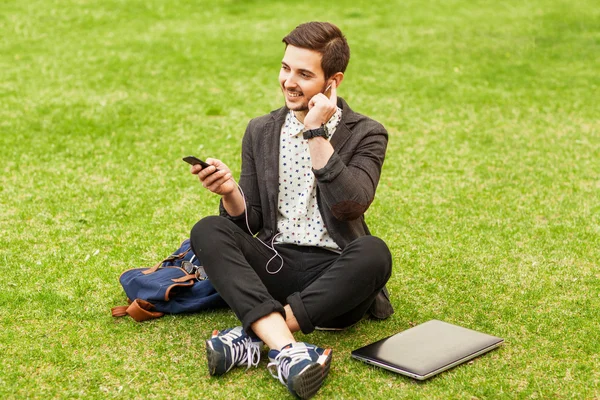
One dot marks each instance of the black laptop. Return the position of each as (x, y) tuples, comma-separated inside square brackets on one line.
[(427, 349)]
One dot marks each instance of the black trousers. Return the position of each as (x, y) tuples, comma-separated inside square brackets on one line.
[(323, 288)]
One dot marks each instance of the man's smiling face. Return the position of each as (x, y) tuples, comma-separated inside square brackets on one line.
[(301, 77)]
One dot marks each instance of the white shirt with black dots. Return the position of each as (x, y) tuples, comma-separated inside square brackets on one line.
[(299, 220)]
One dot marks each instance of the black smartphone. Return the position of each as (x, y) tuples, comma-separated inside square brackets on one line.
[(194, 160)]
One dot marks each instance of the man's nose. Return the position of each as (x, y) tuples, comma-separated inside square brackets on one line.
[(289, 82)]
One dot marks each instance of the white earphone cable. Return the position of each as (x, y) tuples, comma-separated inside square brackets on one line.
[(255, 235)]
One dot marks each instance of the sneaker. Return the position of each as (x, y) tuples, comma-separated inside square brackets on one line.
[(301, 367), (230, 348)]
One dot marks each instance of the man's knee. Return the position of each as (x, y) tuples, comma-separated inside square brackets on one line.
[(375, 254), (206, 232), (204, 227)]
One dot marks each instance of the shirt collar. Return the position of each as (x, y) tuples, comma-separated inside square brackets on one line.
[(295, 127)]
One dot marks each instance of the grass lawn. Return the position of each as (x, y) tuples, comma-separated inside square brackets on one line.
[(489, 199)]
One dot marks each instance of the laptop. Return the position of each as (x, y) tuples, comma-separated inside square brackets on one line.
[(427, 349)]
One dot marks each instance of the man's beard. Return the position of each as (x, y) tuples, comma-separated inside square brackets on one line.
[(303, 106)]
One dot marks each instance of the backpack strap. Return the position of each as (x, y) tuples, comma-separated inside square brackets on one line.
[(170, 258), (185, 278), (140, 310)]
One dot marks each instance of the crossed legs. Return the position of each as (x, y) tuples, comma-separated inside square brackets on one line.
[(318, 287)]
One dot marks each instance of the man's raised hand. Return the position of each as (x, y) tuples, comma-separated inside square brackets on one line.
[(321, 108)]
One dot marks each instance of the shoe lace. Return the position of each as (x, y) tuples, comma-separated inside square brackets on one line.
[(243, 349), (285, 360)]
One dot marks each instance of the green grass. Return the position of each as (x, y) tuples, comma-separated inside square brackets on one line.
[(489, 199)]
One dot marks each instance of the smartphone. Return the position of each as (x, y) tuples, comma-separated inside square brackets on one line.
[(194, 160)]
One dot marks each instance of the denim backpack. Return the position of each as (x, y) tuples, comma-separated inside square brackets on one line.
[(175, 285)]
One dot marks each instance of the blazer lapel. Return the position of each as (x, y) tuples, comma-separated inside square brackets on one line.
[(271, 159), (342, 132)]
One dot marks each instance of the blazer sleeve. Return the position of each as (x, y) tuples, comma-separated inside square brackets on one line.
[(348, 181)]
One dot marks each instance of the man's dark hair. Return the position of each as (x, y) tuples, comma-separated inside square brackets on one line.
[(326, 39)]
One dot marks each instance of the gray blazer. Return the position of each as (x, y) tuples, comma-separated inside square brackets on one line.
[(345, 186)]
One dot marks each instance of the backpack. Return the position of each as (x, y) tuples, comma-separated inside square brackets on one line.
[(175, 285)]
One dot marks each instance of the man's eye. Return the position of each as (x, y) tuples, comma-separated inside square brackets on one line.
[(305, 75)]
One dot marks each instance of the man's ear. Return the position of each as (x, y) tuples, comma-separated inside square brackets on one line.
[(338, 77)]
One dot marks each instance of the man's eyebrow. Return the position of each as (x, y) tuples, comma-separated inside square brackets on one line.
[(307, 71), (301, 70)]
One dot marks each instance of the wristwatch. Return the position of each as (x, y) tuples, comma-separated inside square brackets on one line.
[(311, 133)]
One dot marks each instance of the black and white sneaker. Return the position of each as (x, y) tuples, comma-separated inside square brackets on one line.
[(301, 367), (230, 348)]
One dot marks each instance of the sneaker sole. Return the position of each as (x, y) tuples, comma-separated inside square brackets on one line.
[(308, 382)]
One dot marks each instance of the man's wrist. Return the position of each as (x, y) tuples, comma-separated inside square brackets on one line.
[(308, 127), (321, 131), (233, 202)]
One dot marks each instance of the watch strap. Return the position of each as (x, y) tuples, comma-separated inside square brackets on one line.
[(322, 131)]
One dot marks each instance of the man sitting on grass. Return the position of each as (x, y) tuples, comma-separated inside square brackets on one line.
[(291, 250)]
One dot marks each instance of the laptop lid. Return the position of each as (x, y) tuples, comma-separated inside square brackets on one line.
[(427, 349)]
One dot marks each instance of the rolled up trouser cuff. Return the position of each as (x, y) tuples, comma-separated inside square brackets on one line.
[(261, 310), (295, 302)]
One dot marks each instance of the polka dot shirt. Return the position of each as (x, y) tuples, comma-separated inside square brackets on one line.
[(299, 220)]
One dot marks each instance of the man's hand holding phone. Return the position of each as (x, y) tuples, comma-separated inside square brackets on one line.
[(213, 173)]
